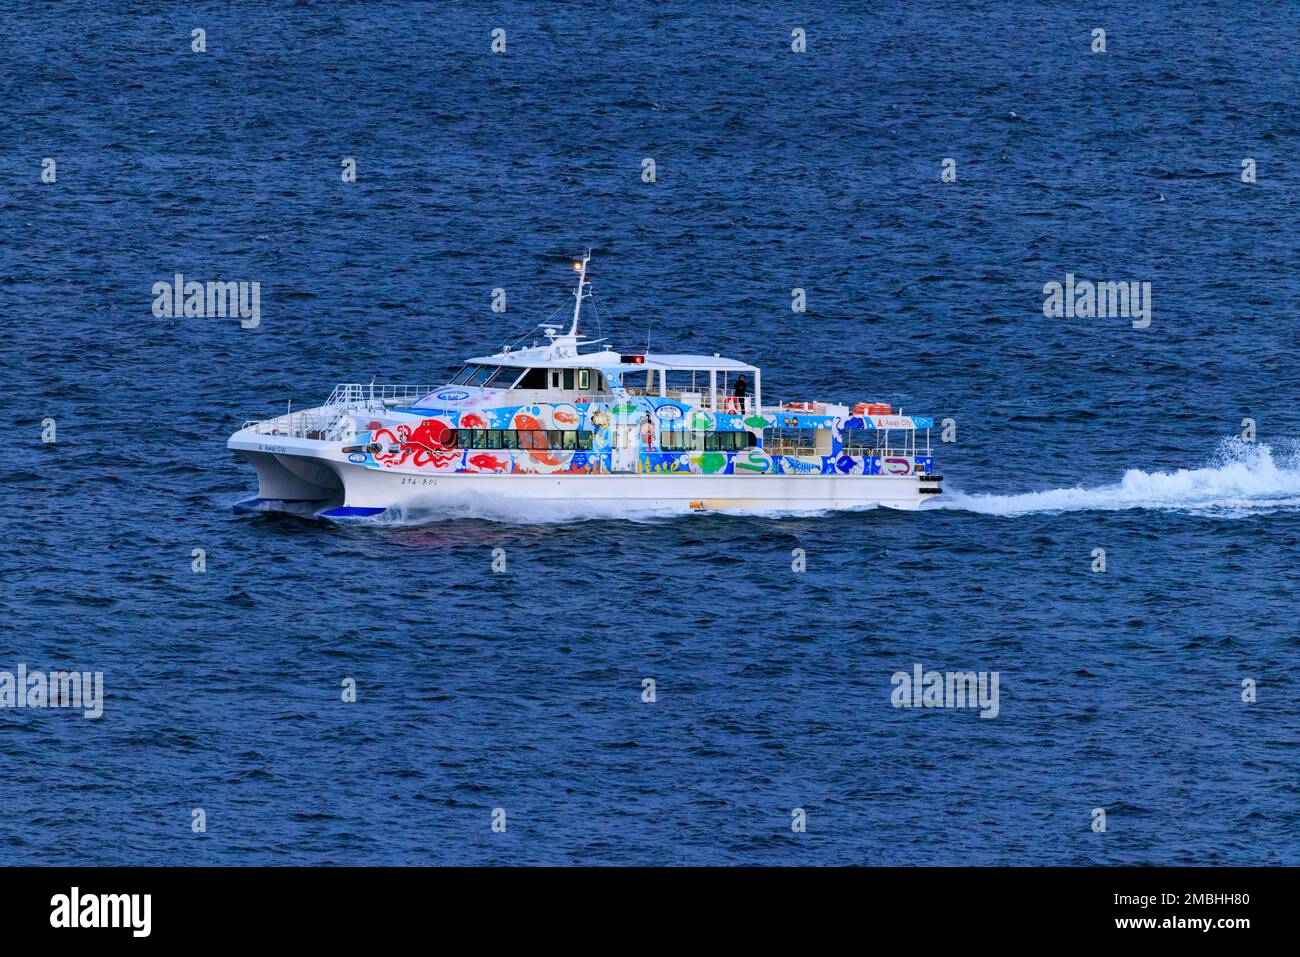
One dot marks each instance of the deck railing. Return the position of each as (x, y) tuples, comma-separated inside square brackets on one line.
[(362, 394), (333, 420), (703, 400), (313, 424)]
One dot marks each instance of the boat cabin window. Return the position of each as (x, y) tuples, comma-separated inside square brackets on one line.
[(485, 377), (533, 379), (503, 378), (532, 440), (684, 440), (583, 380)]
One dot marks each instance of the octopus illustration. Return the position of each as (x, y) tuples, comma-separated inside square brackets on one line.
[(430, 443)]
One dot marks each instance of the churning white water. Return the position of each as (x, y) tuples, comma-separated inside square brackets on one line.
[(1242, 477)]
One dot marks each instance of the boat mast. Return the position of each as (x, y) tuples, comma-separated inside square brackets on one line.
[(581, 266)]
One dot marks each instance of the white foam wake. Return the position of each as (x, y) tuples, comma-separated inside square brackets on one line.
[(1243, 477)]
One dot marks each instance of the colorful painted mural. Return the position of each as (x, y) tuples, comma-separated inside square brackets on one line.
[(424, 440)]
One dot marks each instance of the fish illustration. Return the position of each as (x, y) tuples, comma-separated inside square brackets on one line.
[(525, 423), (487, 463)]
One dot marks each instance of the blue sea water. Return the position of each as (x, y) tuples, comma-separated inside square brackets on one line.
[(1119, 690)]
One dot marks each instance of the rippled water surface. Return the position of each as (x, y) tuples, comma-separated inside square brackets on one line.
[(522, 690)]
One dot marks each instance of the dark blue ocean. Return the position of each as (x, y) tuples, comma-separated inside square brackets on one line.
[(1120, 690)]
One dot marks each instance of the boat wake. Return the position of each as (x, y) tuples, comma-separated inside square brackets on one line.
[(1243, 478)]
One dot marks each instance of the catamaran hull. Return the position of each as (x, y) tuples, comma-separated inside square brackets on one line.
[(285, 477), (340, 491)]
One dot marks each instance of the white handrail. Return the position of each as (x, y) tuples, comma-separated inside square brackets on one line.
[(332, 420)]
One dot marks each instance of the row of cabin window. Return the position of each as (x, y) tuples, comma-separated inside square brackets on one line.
[(537, 440), (683, 440), (533, 440), (507, 377)]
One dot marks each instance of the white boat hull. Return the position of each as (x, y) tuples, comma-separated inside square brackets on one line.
[(341, 491), (604, 494)]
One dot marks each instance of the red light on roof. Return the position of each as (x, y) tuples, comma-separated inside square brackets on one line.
[(639, 360)]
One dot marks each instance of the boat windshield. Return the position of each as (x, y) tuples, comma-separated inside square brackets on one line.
[(498, 377), (482, 377)]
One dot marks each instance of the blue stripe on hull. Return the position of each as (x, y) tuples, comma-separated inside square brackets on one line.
[(352, 511)]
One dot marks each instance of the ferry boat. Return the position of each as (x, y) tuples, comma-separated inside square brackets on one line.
[(574, 427)]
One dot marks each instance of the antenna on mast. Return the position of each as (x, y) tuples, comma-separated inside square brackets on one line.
[(582, 292)]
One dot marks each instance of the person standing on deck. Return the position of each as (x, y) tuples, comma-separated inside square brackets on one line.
[(739, 391), (647, 433)]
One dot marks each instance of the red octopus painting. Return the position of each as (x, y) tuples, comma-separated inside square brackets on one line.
[(429, 444)]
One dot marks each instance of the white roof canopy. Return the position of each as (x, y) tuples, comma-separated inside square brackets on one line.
[(680, 361), (545, 358)]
